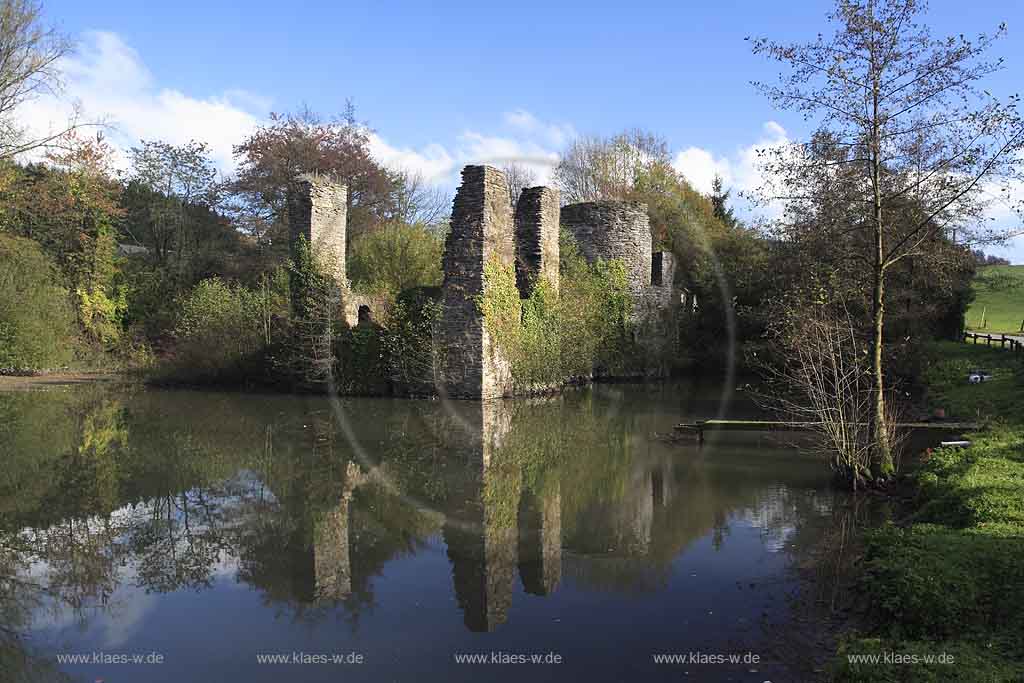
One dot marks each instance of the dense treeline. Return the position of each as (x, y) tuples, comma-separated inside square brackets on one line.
[(133, 254), (168, 263)]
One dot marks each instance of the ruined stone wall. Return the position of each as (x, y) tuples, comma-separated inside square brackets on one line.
[(656, 315), (468, 363), (537, 225), (663, 269), (613, 230), (318, 210)]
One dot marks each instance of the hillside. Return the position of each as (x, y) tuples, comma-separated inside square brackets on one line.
[(999, 298)]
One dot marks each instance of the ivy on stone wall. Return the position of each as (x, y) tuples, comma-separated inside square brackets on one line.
[(550, 339)]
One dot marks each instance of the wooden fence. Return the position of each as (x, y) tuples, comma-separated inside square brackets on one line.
[(1004, 342)]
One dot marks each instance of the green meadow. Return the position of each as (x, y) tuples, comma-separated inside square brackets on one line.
[(999, 302)]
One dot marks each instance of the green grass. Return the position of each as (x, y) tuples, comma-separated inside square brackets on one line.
[(999, 297), (950, 577), (1002, 398)]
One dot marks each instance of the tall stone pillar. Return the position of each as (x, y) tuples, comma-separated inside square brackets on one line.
[(318, 211), (468, 363), (536, 218)]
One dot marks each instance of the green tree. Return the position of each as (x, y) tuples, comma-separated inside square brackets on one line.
[(595, 168), (396, 257), (168, 187), (293, 144), (69, 205), (722, 263), (901, 117), (720, 201), (37, 323)]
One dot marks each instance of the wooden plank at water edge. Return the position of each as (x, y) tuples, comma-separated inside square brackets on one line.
[(700, 426)]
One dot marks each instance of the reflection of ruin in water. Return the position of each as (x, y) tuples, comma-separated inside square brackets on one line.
[(192, 487)]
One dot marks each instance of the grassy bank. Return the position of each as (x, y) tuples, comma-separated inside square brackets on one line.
[(999, 302), (948, 580)]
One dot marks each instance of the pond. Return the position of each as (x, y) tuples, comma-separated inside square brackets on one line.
[(151, 535)]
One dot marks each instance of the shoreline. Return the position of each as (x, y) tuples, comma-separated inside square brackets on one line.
[(61, 379)]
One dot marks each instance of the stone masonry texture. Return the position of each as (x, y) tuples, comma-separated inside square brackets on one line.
[(468, 364), (537, 225), (318, 210), (613, 230)]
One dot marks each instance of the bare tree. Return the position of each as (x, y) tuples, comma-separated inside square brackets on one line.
[(594, 168), (417, 201), (29, 67), (903, 130), (519, 178), (826, 383)]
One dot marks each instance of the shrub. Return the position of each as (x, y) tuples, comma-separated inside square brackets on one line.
[(219, 330), (396, 257), (37, 322), (408, 340), (102, 302)]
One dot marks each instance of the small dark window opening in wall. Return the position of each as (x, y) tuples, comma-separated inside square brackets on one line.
[(656, 269)]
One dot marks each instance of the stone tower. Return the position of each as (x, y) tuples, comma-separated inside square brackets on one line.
[(468, 363), (318, 210), (613, 230)]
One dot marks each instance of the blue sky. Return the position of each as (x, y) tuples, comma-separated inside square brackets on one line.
[(445, 84)]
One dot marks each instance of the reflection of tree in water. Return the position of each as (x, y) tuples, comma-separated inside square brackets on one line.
[(184, 487), (824, 552)]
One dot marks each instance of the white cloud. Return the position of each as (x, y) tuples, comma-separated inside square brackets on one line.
[(109, 80), (433, 162), (740, 170), (527, 141), (699, 166), (477, 148), (553, 134)]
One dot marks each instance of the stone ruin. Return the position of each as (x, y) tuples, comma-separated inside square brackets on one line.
[(318, 211), (468, 364), (484, 227), (613, 230), (537, 227)]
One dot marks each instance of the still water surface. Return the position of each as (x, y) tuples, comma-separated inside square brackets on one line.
[(206, 532)]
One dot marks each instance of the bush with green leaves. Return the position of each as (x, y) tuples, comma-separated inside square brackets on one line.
[(408, 340), (37, 321), (395, 257), (220, 330)]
